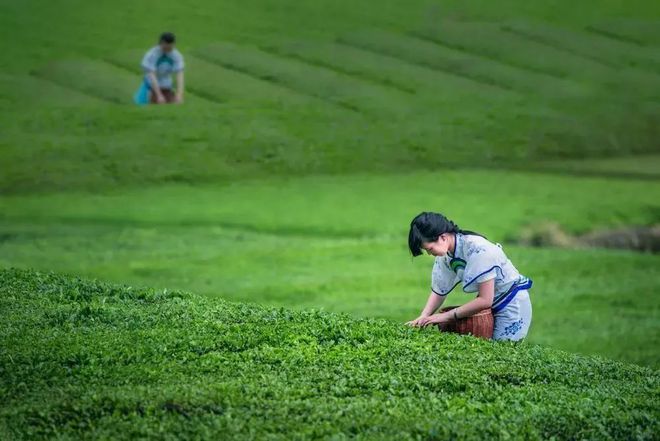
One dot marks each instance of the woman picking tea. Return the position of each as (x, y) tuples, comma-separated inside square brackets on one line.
[(480, 266)]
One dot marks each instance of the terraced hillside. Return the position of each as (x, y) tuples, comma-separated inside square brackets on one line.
[(344, 94)]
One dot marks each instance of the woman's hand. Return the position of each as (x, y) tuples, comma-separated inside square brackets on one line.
[(435, 319), (439, 319), (418, 321)]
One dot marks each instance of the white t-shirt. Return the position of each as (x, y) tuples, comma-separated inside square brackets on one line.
[(163, 64), (475, 260)]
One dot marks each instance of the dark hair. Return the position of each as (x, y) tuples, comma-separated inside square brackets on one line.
[(167, 37), (427, 227)]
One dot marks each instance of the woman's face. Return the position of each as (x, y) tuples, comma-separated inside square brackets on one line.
[(439, 247)]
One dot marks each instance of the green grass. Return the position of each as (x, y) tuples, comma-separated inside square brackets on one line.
[(633, 166), (591, 302), (25, 91), (92, 360), (497, 203), (330, 86), (493, 41), (94, 78), (481, 70), (339, 244), (350, 90), (591, 46), (312, 132), (641, 33)]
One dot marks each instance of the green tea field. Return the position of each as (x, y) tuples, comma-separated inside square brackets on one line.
[(268, 214), (117, 362)]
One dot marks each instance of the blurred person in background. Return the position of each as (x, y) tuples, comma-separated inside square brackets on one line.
[(159, 64)]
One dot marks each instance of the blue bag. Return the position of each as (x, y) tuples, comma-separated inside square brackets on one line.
[(141, 97)]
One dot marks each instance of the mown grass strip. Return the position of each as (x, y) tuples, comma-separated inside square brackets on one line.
[(414, 49), (370, 42), (270, 78), (490, 40), (429, 84), (328, 56), (92, 77), (440, 41), (329, 85), (639, 64), (639, 32), (23, 91)]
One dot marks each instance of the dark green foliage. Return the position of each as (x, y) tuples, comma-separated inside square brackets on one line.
[(84, 359)]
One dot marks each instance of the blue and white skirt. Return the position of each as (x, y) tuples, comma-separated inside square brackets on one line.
[(513, 320)]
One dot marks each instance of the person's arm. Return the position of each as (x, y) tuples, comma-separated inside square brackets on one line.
[(153, 81), (432, 304), (180, 86), (484, 300), (149, 67)]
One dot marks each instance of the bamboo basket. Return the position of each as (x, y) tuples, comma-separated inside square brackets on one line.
[(479, 325)]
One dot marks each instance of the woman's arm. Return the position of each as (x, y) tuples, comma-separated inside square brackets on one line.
[(434, 302), (483, 301)]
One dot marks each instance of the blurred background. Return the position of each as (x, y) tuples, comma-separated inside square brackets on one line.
[(312, 133)]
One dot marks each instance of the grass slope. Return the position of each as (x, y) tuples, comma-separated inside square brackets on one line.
[(497, 203), (588, 301), (339, 244), (300, 88), (85, 360)]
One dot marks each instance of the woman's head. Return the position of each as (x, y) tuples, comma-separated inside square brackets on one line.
[(431, 232)]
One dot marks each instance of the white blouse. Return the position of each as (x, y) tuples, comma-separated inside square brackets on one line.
[(475, 260)]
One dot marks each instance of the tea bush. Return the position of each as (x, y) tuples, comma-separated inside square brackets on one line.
[(84, 359)]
